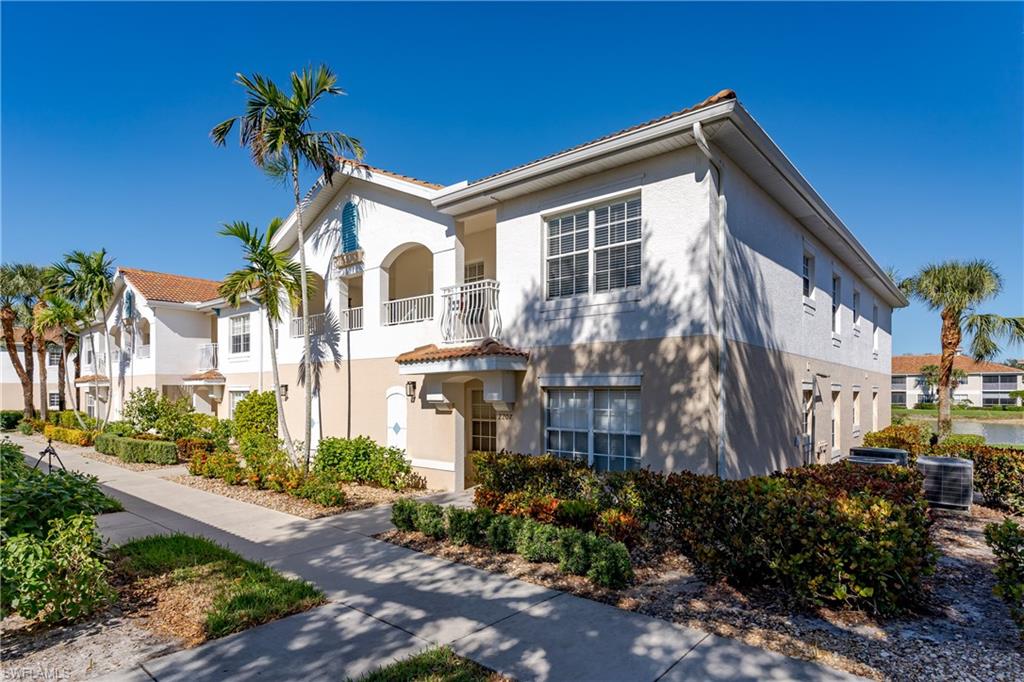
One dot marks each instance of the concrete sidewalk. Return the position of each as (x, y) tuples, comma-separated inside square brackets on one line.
[(388, 602)]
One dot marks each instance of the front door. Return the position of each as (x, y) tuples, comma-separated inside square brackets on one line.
[(397, 411)]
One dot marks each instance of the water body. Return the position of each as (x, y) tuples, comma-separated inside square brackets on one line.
[(993, 432)]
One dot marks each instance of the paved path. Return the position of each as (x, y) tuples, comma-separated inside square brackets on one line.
[(388, 602)]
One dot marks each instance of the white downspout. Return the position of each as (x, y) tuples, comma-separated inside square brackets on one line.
[(259, 308), (718, 261)]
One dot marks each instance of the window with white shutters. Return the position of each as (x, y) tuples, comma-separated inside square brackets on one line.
[(568, 260), (240, 334), (617, 245), (600, 426)]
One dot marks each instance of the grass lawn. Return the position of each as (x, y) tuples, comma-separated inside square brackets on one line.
[(238, 594), (958, 413), (434, 665)]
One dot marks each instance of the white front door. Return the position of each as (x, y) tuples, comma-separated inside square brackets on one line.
[(397, 414)]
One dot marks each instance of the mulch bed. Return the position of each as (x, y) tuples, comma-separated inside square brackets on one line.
[(118, 462), (963, 631), (357, 496)]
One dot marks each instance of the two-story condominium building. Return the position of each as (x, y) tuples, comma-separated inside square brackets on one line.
[(673, 295), (987, 384), (12, 395)]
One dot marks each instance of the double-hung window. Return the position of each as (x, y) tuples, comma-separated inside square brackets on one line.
[(807, 274), (54, 401), (595, 250), (837, 288), (239, 328), (600, 426), (53, 354), (235, 397)]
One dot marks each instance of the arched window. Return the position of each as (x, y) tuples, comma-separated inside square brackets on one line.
[(349, 228)]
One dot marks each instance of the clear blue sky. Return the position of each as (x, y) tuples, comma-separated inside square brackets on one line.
[(906, 118)]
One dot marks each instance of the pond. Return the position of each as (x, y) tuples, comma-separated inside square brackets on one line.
[(993, 432)]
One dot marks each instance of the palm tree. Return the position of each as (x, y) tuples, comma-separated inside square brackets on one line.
[(65, 318), (930, 376), (88, 280), (956, 289), (21, 285), (269, 277), (275, 128)]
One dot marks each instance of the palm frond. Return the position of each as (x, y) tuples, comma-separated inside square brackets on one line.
[(987, 329)]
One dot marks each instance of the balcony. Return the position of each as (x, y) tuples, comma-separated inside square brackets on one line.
[(96, 365), (315, 323), (207, 357), (408, 310), (352, 319), (470, 312)]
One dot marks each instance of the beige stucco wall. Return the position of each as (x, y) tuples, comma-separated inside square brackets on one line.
[(764, 415)]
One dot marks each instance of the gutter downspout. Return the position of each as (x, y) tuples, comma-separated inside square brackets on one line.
[(259, 381), (717, 264)]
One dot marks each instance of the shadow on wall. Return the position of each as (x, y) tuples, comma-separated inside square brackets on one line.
[(668, 320)]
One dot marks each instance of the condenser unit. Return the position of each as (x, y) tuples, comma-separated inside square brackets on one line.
[(872, 461), (900, 456), (948, 481)]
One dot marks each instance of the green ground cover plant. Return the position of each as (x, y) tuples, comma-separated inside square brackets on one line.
[(1007, 542)]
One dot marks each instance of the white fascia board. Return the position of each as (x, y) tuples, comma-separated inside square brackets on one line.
[(447, 199), (479, 364), (757, 137)]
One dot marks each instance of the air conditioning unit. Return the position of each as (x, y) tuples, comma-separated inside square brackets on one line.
[(873, 461), (948, 481), (884, 453)]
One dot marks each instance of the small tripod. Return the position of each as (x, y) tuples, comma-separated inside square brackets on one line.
[(49, 453)]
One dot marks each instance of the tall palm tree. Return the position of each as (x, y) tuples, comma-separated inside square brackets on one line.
[(21, 285), (270, 278), (956, 289), (275, 128), (62, 317), (88, 280)]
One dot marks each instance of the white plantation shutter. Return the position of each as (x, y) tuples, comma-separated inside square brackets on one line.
[(568, 258), (617, 240)]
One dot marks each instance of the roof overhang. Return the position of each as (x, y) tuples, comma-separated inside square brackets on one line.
[(488, 363), (733, 131)]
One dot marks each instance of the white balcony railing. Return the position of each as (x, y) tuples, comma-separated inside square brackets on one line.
[(98, 365), (142, 351), (470, 312), (408, 310), (316, 325), (352, 319), (207, 357)]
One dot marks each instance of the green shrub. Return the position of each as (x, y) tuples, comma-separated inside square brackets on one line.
[(403, 514), (1007, 542), (256, 413), (187, 447), (69, 419), (321, 491), (910, 437), (138, 450), (502, 533), (59, 577), (610, 565), (223, 465), (31, 499), (537, 541), (25, 427), (70, 436), (430, 520), (106, 443), (119, 428), (263, 457), (176, 419), (9, 419), (576, 514), (361, 460), (141, 409), (468, 526), (575, 548), (962, 439), (12, 458), (504, 473)]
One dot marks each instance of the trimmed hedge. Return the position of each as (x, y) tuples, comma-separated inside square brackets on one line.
[(71, 436), (1007, 542), (910, 437), (838, 533), (604, 561), (9, 419), (137, 450)]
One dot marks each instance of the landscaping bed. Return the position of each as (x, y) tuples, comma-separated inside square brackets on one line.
[(118, 462), (356, 496), (172, 592), (434, 665)]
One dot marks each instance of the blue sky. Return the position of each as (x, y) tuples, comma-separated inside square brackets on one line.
[(907, 118)]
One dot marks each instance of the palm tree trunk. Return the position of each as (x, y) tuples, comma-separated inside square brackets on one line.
[(282, 424), (7, 323), (307, 384), (44, 396), (28, 347), (950, 342), (62, 368)]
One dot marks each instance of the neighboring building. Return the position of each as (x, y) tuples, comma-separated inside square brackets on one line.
[(987, 384), (11, 395), (673, 295)]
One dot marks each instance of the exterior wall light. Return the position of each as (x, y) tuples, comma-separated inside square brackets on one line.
[(410, 391), (284, 391)]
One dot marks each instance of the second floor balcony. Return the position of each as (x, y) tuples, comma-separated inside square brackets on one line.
[(470, 312), (208, 357), (408, 310)]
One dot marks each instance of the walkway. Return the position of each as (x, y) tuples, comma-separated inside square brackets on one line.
[(388, 602)]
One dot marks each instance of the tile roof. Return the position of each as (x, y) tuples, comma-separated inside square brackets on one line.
[(162, 286), (720, 96), (91, 378), (358, 165), (912, 364), (208, 375), (432, 353)]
